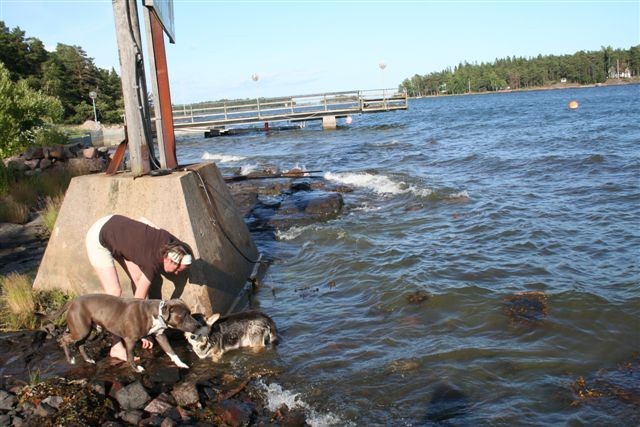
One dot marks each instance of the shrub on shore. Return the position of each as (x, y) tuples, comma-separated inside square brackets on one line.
[(20, 195), (8, 177), (22, 307), (12, 211), (18, 303)]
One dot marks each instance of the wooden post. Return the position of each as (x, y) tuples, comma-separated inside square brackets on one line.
[(134, 91)]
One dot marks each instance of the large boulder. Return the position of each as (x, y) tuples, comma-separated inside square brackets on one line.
[(282, 203)]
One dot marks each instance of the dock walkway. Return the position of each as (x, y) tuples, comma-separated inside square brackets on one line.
[(326, 107)]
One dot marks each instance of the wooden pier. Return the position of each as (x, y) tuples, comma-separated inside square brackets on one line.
[(218, 116)]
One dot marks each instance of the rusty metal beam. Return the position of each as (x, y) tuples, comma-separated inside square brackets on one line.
[(166, 135)]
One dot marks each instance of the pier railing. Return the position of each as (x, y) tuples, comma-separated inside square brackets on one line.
[(291, 108)]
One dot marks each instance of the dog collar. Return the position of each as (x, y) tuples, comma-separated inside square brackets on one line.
[(159, 325)]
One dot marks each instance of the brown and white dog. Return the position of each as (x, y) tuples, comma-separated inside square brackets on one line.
[(221, 334), (129, 318)]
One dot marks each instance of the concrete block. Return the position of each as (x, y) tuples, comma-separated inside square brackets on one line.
[(112, 136), (194, 205), (329, 122)]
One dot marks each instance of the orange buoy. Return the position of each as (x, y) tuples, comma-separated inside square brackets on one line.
[(573, 105)]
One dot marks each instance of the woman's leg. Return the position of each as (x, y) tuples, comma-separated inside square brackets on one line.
[(141, 289), (102, 262), (138, 279), (109, 280), (111, 285)]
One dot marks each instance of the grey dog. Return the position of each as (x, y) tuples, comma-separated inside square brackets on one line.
[(221, 334), (129, 318)]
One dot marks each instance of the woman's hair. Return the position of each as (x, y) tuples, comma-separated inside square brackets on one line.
[(177, 247)]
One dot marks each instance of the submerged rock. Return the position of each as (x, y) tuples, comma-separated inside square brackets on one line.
[(530, 306), (447, 402), (417, 297), (621, 385)]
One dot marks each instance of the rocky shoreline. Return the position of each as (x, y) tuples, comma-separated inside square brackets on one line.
[(37, 387), (111, 394)]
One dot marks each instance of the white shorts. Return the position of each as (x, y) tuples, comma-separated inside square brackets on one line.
[(99, 256)]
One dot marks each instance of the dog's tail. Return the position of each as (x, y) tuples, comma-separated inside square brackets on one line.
[(56, 315)]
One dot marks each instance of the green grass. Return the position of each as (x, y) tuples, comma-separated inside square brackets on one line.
[(35, 376), (8, 177), (20, 194), (22, 307), (18, 303), (12, 211), (50, 212)]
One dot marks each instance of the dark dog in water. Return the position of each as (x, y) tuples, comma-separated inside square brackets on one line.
[(220, 334), (129, 318)]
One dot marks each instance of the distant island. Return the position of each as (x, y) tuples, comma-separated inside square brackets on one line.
[(605, 66)]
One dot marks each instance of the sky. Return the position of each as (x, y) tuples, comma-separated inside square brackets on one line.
[(299, 47)]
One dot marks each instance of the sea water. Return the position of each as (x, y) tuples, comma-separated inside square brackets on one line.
[(463, 202)]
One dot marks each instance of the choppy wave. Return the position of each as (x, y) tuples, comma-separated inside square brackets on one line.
[(247, 169), (292, 233), (222, 158), (380, 184), (276, 396)]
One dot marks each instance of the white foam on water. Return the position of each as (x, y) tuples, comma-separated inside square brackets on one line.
[(292, 233), (247, 169), (366, 207), (381, 184), (459, 195), (296, 168), (296, 231), (276, 396), (222, 158), (378, 183), (420, 192)]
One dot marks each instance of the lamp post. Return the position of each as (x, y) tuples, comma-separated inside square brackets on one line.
[(255, 77), (382, 65), (93, 95)]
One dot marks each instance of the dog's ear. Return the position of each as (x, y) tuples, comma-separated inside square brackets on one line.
[(212, 319), (200, 318), (166, 310), (170, 305)]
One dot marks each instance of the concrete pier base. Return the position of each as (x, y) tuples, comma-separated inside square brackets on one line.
[(329, 122), (194, 205)]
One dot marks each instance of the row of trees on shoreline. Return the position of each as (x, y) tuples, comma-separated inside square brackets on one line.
[(67, 74), (524, 73)]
